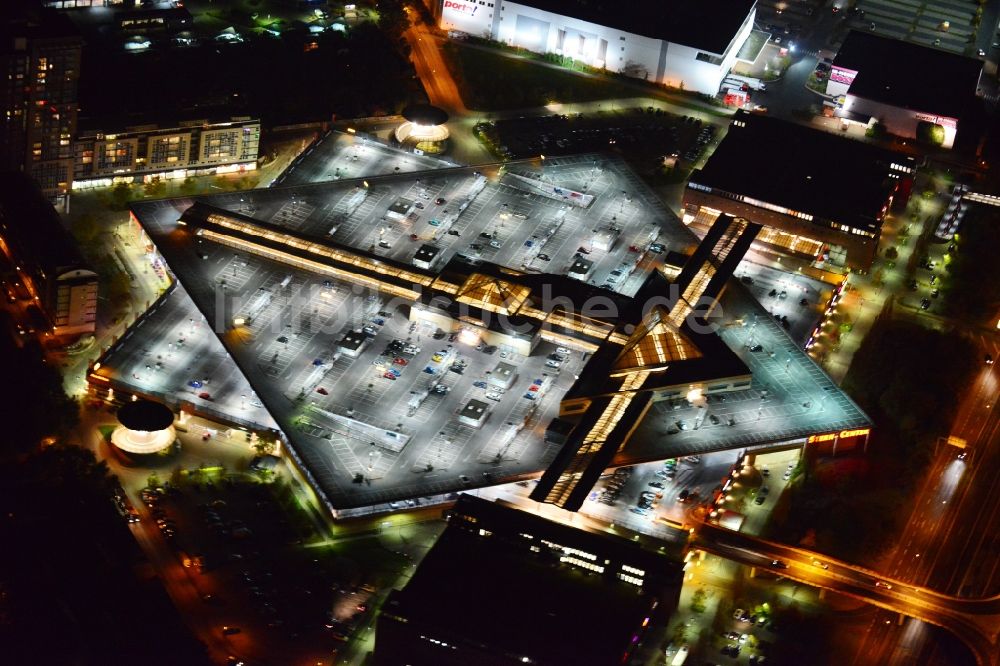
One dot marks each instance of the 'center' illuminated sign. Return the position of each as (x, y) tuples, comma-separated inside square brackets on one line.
[(826, 437)]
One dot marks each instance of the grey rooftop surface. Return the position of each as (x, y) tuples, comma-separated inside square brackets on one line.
[(344, 417)]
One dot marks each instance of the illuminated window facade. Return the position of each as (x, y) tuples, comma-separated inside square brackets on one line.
[(671, 57), (40, 68), (192, 148)]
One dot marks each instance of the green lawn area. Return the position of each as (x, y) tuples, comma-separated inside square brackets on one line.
[(493, 82)]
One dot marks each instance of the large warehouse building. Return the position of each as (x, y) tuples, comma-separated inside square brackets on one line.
[(911, 89), (820, 197), (673, 42)]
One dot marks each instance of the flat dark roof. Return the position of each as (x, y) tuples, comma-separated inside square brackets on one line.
[(427, 252), (352, 340), (19, 19), (803, 169), (911, 76), (425, 114), (709, 25), (125, 123), (32, 226), (498, 594), (474, 409), (145, 415)]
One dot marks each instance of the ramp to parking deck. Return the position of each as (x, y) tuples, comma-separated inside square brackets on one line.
[(546, 189)]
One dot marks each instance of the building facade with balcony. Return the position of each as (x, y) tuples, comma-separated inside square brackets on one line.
[(144, 152)]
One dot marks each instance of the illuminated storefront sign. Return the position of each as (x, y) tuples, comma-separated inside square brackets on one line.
[(837, 74), (461, 7), (943, 121), (830, 436)]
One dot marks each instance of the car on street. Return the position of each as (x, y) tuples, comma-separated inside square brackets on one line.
[(494, 396), (322, 391), (440, 201), (389, 375)]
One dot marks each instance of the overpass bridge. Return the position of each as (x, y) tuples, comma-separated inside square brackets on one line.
[(976, 622)]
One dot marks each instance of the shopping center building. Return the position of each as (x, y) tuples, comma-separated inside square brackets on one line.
[(308, 314), (914, 91), (683, 45), (821, 197)]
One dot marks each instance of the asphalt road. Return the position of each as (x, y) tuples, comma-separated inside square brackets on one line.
[(950, 542), (974, 621)]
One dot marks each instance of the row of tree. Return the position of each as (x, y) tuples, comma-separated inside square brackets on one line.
[(910, 380)]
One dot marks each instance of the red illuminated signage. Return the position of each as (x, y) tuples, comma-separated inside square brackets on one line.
[(461, 7), (841, 75)]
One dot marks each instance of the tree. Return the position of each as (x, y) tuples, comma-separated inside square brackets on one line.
[(263, 446), (119, 288), (86, 229), (40, 403), (930, 133), (877, 130), (121, 194), (698, 601), (189, 186), (891, 253), (155, 188)]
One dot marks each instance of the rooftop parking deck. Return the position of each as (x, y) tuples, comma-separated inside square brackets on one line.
[(339, 155), (381, 421)]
